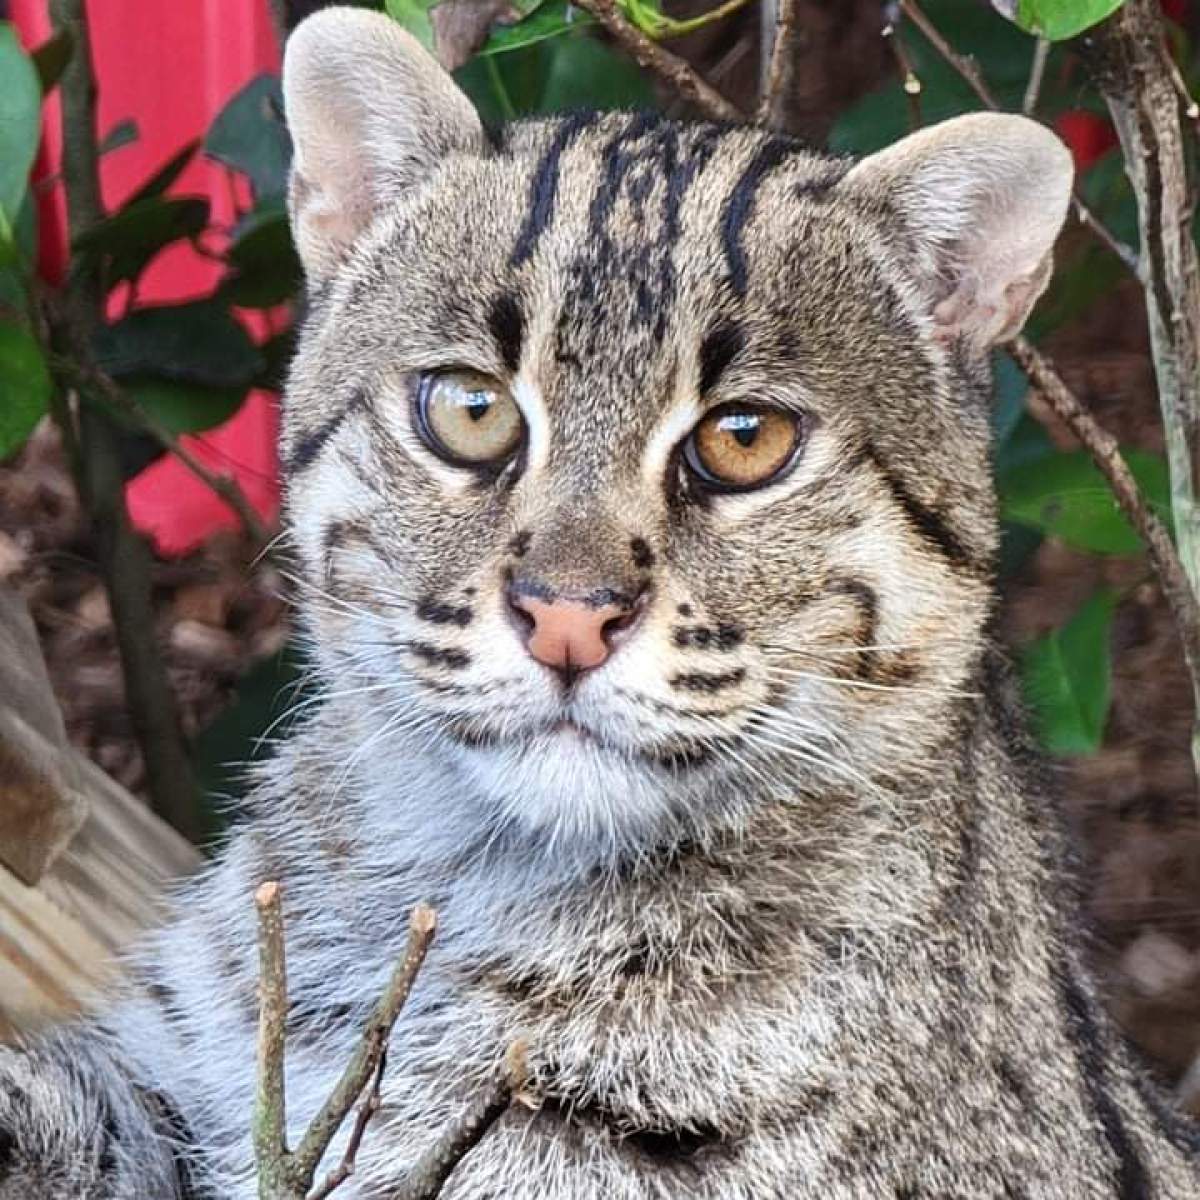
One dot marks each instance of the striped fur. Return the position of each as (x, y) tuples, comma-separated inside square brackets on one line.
[(787, 912)]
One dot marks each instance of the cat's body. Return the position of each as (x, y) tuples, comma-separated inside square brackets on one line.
[(656, 654)]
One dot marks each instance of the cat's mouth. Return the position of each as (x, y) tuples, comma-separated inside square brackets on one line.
[(567, 735)]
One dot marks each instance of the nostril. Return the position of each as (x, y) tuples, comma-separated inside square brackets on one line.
[(614, 627), (522, 618)]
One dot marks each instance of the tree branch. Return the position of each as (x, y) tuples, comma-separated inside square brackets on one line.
[(270, 1103), (328, 1121), (647, 53), (1130, 60), (225, 486), (435, 1166), (1106, 454), (123, 557), (288, 1175), (969, 70), (777, 90)]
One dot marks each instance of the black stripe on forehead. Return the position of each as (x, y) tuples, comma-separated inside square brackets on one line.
[(507, 324), (543, 191), (722, 345), (741, 205)]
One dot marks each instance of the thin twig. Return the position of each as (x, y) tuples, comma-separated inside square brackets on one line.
[(430, 1172), (288, 1175), (314, 1143), (1037, 72), (225, 486), (777, 91), (969, 70), (1106, 454), (1129, 57), (676, 71), (123, 557), (909, 79), (366, 1110), (270, 1104)]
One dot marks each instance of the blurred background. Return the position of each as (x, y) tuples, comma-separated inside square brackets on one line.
[(138, 551)]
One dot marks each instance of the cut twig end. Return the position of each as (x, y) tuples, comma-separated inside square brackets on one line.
[(423, 920), (267, 895)]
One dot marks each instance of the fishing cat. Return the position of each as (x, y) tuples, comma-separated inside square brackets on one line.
[(639, 486)]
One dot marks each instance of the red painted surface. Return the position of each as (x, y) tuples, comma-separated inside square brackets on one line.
[(171, 67), (1088, 135)]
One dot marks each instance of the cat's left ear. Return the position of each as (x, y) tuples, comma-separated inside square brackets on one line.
[(979, 200), (371, 114)]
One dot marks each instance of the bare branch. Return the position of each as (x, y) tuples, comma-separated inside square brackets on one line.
[(434, 1167), (909, 79), (366, 1110), (1037, 72), (1130, 59), (270, 1103), (1106, 454), (95, 453), (968, 68), (772, 109), (365, 1059), (647, 53)]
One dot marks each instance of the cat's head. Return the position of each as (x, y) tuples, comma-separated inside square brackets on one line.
[(640, 468)]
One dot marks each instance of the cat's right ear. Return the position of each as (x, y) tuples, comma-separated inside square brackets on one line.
[(371, 114)]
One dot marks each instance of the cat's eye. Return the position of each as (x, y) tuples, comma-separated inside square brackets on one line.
[(738, 447), (468, 418)]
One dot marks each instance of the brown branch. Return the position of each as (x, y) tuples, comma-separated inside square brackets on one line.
[(288, 1175), (314, 1143), (777, 91), (429, 1174), (123, 557), (909, 79), (969, 70), (270, 1103), (1106, 454), (1129, 57), (366, 1110), (647, 53), (224, 486)]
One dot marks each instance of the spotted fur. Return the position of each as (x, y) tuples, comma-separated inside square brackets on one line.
[(776, 896)]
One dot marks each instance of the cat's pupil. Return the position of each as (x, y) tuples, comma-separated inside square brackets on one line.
[(744, 427), (477, 405)]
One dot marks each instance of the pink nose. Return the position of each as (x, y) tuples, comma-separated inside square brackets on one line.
[(570, 636)]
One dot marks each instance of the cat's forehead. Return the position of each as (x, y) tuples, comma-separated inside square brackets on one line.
[(622, 240)]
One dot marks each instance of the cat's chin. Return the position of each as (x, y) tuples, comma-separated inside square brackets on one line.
[(570, 783)]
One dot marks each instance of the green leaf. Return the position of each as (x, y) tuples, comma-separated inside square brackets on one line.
[(24, 387), (249, 135), (197, 343), (1057, 20), (545, 21), (277, 354), (133, 235), (50, 59), (1064, 495), (266, 270), (183, 407), (20, 125), (123, 133), (413, 15), (1068, 679), (585, 73), (167, 174)]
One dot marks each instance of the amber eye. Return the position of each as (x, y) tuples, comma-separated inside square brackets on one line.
[(738, 447), (468, 418)]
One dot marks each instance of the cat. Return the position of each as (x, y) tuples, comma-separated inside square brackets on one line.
[(639, 488)]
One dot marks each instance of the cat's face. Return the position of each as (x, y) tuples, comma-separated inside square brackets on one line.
[(632, 471)]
